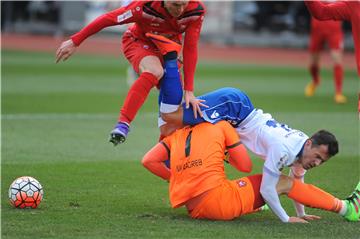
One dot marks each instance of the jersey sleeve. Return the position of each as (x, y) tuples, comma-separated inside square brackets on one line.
[(238, 156), (231, 137), (119, 16), (190, 52), (270, 195), (153, 161), (329, 11)]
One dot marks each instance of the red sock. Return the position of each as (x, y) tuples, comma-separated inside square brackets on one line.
[(311, 196), (338, 78), (137, 96), (314, 71)]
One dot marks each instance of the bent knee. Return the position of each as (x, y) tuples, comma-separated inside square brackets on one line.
[(158, 72)]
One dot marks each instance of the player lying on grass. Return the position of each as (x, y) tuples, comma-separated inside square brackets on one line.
[(278, 144), (170, 18), (198, 181)]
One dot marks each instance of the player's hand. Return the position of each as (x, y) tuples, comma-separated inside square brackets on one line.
[(196, 103), (310, 217), (66, 49), (297, 220)]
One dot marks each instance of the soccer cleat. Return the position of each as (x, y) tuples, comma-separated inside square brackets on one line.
[(340, 99), (310, 89), (119, 133), (353, 205), (163, 44)]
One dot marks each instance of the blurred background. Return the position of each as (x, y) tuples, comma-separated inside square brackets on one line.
[(247, 23)]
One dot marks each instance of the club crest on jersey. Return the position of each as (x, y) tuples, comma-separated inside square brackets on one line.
[(241, 183), (214, 115), (124, 16)]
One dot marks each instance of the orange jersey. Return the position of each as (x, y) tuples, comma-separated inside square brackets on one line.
[(197, 159)]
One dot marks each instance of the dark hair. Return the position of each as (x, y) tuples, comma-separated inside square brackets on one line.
[(326, 138)]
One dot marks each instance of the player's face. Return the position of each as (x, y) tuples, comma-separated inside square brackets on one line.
[(313, 155), (175, 8)]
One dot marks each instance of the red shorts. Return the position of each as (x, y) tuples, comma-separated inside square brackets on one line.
[(231, 199), (136, 49), (319, 38)]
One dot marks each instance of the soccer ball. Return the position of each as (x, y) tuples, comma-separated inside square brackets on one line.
[(25, 192)]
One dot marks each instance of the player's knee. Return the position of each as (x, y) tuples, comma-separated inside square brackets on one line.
[(158, 72), (284, 185)]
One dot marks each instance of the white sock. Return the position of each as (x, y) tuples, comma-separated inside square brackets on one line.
[(344, 208)]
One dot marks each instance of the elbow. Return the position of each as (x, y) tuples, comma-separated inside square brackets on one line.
[(245, 168), (145, 162)]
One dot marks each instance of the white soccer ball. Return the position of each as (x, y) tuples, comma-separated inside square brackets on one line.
[(25, 192)]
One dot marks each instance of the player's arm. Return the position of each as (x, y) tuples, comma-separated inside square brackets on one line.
[(190, 55), (331, 11), (238, 156), (274, 163), (119, 16), (154, 160)]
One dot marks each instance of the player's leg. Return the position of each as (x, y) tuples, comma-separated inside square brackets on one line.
[(336, 52), (147, 63), (171, 88), (131, 76), (315, 47), (312, 196)]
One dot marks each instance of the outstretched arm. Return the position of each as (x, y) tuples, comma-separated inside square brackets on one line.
[(270, 195), (154, 161), (190, 53), (119, 16)]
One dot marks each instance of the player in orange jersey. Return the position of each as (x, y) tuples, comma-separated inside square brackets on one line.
[(329, 32), (167, 18), (198, 181)]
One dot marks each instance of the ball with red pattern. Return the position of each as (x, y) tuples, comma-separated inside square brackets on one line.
[(25, 192)]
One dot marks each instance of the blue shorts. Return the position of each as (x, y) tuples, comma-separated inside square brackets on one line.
[(228, 104)]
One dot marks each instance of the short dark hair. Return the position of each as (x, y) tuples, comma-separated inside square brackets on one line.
[(326, 138)]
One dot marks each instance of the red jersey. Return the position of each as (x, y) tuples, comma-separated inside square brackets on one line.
[(341, 10), (151, 16)]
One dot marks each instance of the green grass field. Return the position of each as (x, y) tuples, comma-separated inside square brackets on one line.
[(55, 125)]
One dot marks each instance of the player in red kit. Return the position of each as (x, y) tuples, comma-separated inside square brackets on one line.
[(340, 10), (329, 32), (167, 18)]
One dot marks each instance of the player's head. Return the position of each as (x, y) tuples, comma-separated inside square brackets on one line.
[(175, 8), (318, 149)]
